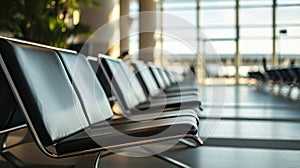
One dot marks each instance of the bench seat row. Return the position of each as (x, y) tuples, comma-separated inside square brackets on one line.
[(65, 101)]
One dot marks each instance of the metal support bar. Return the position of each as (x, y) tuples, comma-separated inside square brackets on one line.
[(97, 160), (3, 138), (198, 141), (167, 159), (171, 160), (187, 143), (26, 139), (18, 163)]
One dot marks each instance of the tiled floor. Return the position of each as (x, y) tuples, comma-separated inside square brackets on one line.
[(245, 127)]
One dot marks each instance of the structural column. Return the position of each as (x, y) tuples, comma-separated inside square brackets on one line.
[(97, 17), (200, 66), (147, 26), (124, 25)]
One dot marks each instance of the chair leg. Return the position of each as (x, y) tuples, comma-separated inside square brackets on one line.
[(187, 143), (97, 160), (167, 159), (195, 138), (198, 141), (290, 91), (171, 160), (18, 163), (13, 160)]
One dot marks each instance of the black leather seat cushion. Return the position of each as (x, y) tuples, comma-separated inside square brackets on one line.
[(174, 102), (112, 136), (138, 116), (45, 89)]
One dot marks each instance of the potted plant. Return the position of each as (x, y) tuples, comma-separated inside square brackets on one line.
[(51, 22)]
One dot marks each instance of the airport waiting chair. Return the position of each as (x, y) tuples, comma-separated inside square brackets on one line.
[(164, 84), (258, 76), (187, 101), (181, 85), (123, 84), (65, 115), (172, 77), (274, 77), (287, 78), (296, 71), (150, 85)]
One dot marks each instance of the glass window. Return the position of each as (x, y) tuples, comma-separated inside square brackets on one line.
[(291, 31), (287, 2), (189, 15), (181, 33), (218, 29), (134, 43), (171, 5), (134, 28), (224, 17), (179, 27), (179, 47), (257, 46), (219, 33), (288, 15), (179, 19), (256, 3), (134, 7), (256, 16), (217, 4), (289, 46), (220, 47), (256, 32)]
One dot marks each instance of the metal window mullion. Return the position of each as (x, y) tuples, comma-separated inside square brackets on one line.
[(274, 38), (237, 53)]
